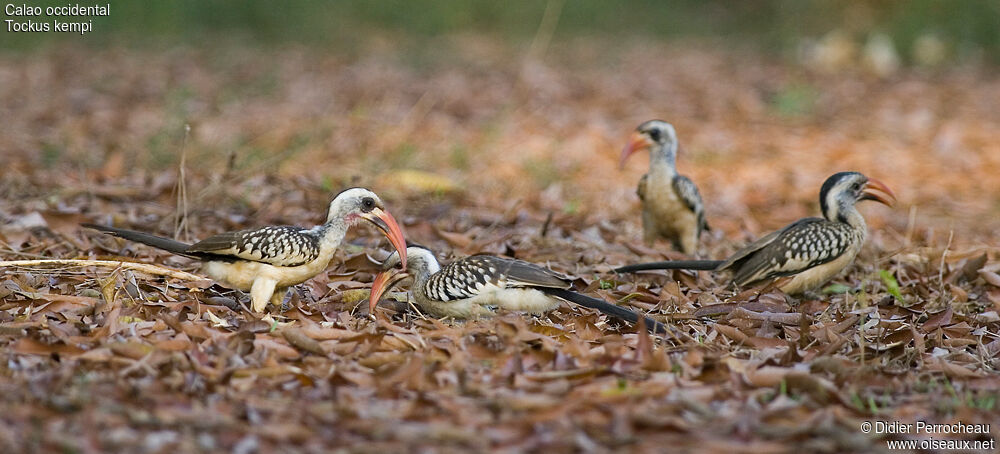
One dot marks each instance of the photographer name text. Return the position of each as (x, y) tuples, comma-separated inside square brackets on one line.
[(920, 427)]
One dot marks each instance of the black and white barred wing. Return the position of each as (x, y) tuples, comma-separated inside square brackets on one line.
[(276, 245), (462, 279), (797, 247), (478, 274), (688, 193)]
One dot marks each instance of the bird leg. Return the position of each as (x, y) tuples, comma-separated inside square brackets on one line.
[(279, 296), (261, 292)]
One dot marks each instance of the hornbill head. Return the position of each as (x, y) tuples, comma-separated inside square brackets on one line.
[(422, 263), (356, 204), (844, 189), (653, 133)]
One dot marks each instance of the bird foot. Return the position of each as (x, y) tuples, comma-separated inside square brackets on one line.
[(811, 295), (257, 307)]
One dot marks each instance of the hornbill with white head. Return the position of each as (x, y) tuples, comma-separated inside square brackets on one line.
[(266, 261), (479, 285), (806, 253), (671, 204)]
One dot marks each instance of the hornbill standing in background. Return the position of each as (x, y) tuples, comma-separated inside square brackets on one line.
[(266, 261), (807, 252), (479, 285), (671, 205)]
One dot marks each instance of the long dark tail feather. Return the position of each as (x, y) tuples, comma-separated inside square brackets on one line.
[(704, 265), (158, 242), (616, 311)]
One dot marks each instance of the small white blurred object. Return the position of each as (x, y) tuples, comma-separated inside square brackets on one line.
[(833, 52), (880, 56)]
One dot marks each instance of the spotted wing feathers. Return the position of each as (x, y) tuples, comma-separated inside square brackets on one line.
[(275, 245), (799, 246), (473, 275), (688, 193)]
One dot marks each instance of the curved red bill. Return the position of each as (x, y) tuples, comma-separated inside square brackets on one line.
[(382, 283), (391, 229), (636, 142), (878, 191)]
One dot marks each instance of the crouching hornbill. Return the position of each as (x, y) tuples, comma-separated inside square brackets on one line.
[(479, 285), (266, 261), (671, 204), (806, 253)]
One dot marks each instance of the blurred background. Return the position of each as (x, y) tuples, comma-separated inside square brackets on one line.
[(496, 126), (511, 106), (925, 32)]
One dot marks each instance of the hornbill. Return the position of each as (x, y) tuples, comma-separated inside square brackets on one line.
[(266, 261), (479, 285), (671, 205), (806, 253)]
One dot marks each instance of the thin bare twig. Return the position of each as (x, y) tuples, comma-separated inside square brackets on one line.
[(944, 256), (181, 211), (141, 267)]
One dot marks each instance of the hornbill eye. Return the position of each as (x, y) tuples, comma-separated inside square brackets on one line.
[(367, 204), (654, 134)]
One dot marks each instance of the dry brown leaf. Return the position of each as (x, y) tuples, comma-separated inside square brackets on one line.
[(937, 321), (133, 350), (33, 347), (301, 341)]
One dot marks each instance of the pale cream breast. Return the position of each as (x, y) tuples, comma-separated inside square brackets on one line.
[(461, 309), (820, 274), (240, 275), (521, 300), (671, 216), (524, 299)]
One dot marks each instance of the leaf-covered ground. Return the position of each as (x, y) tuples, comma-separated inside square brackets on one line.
[(483, 151)]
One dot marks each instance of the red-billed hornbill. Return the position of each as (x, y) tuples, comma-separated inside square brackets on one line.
[(671, 205), (807, 252), (479, 285), (266, 261)]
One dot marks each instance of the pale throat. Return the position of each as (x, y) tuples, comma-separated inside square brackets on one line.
[(857, 221), (331, 234), (424, 269), (663, 159), (849, 212)]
